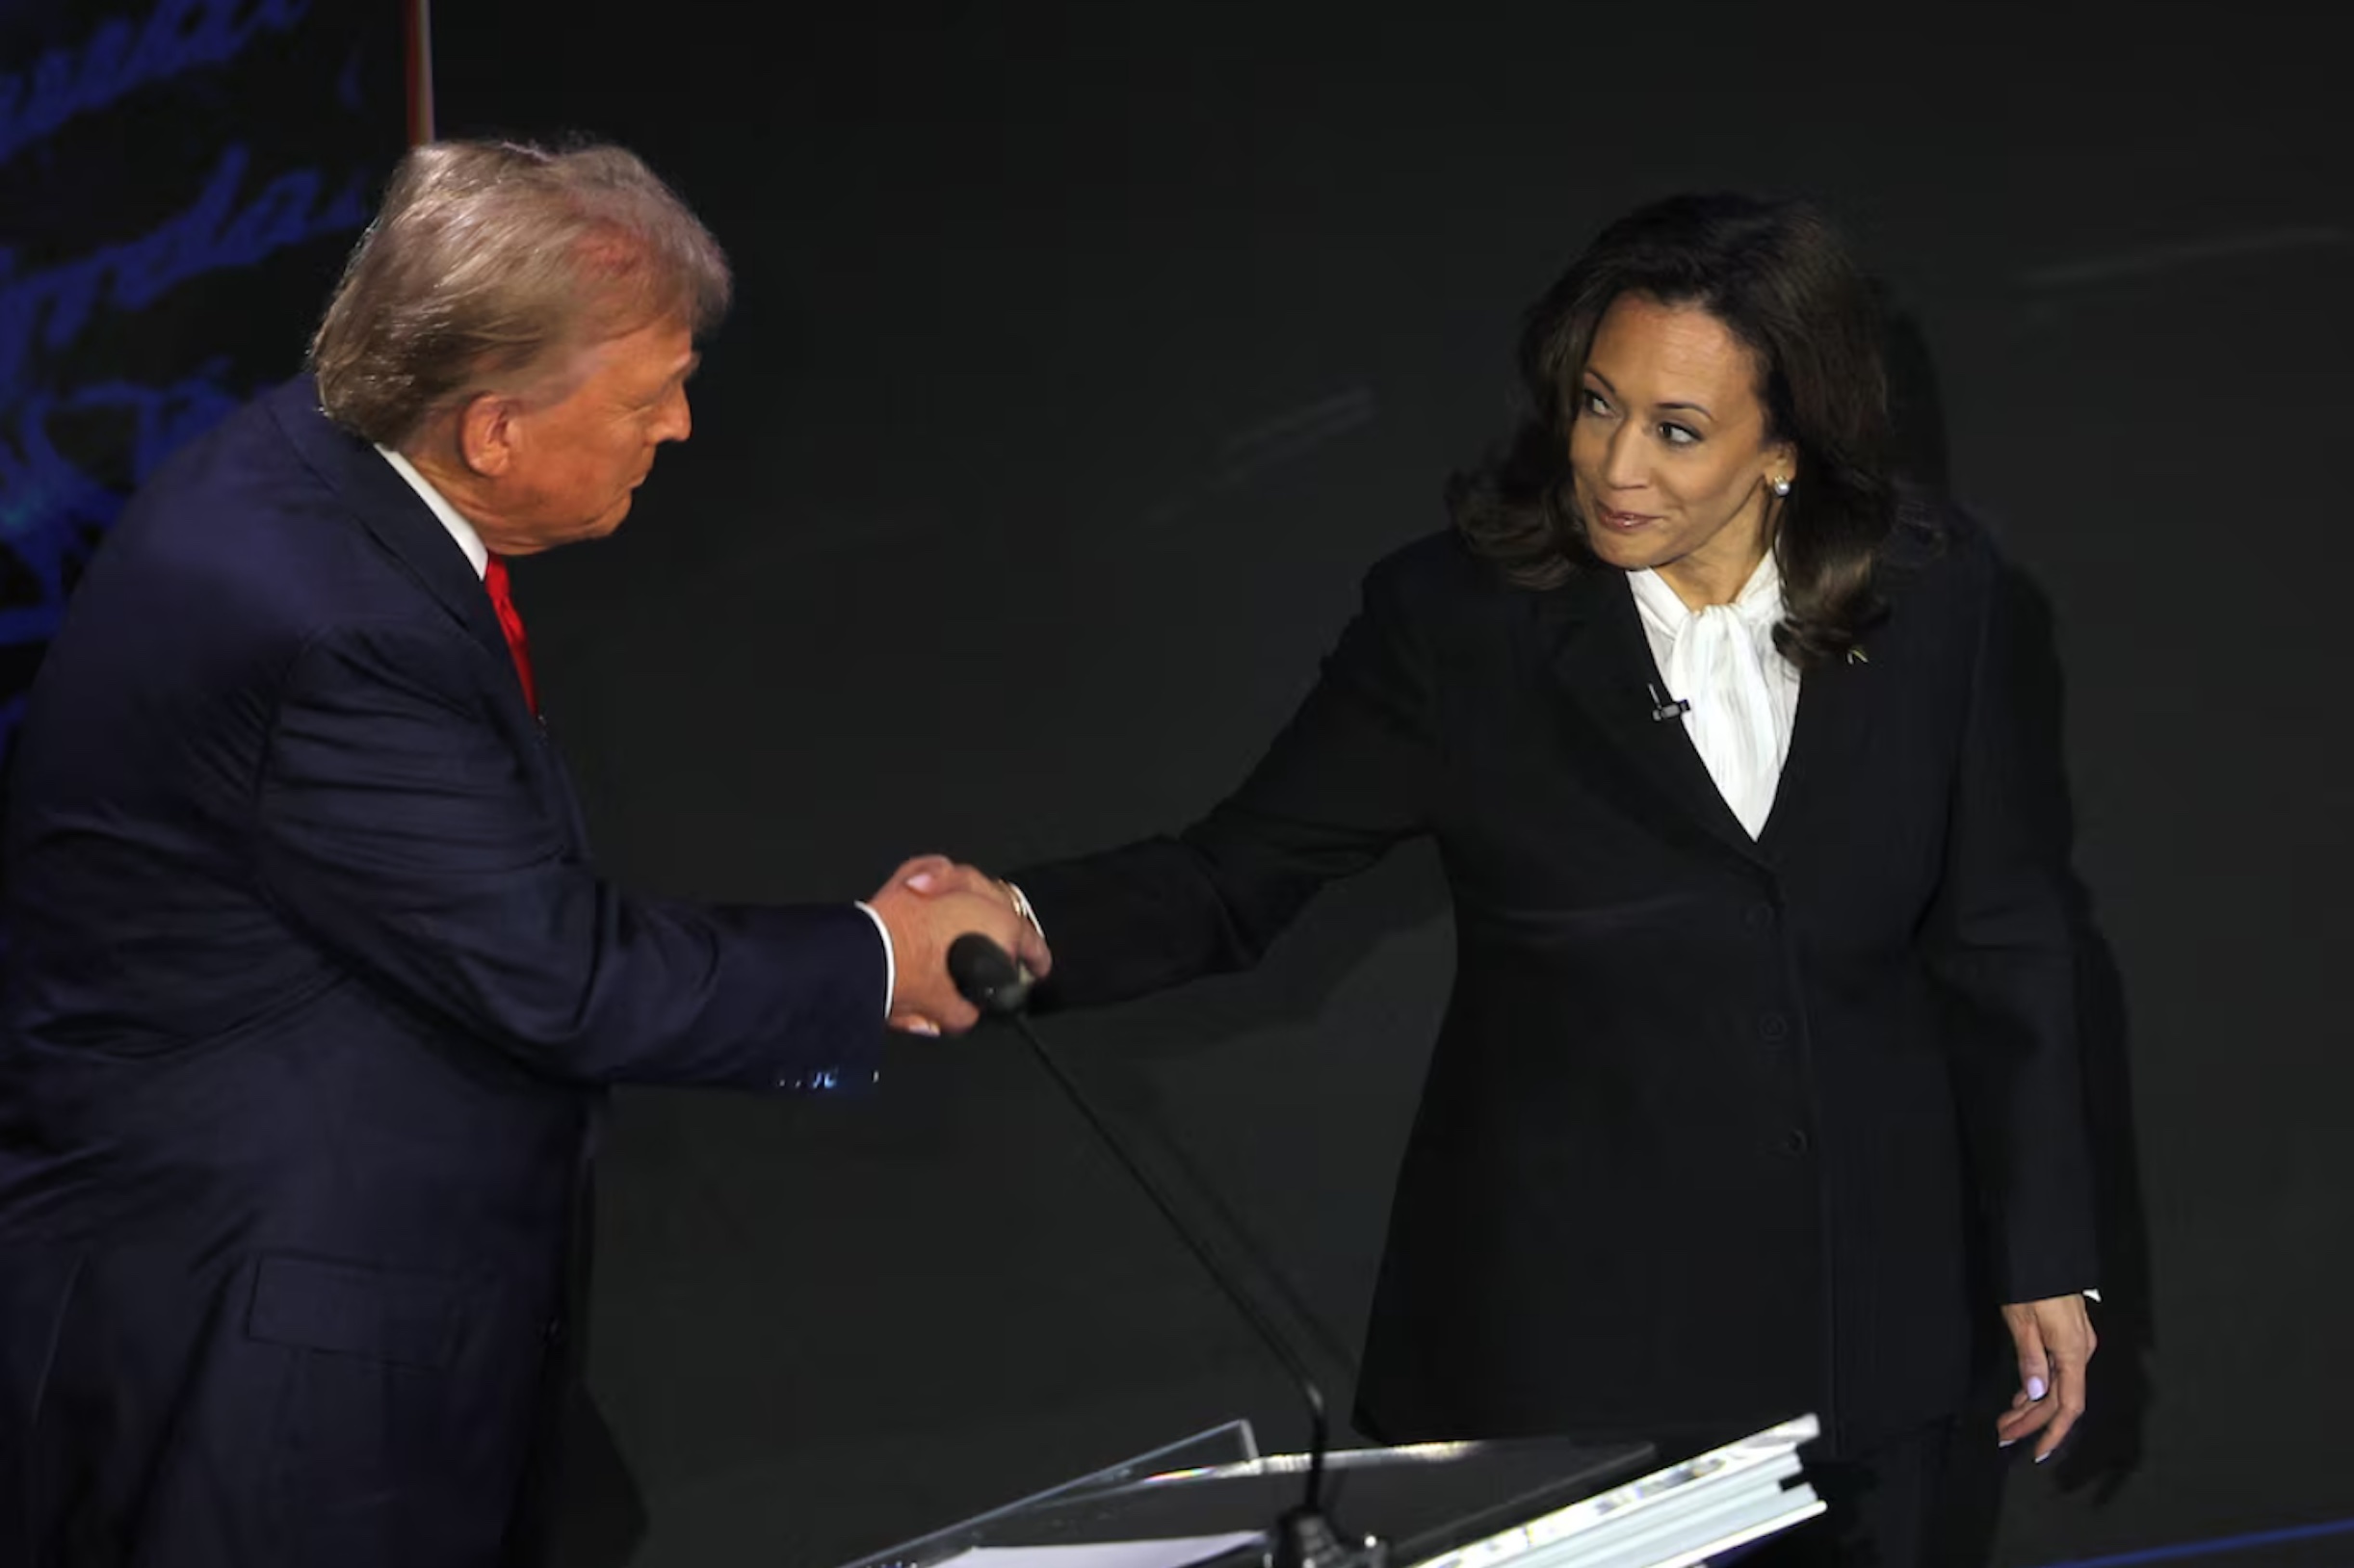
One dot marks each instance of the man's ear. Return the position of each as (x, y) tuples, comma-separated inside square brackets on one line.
[(487, 435)]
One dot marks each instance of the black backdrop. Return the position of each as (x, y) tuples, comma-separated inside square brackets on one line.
[(1050, 314)]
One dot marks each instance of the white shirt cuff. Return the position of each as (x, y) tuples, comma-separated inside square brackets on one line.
[(890, 958)]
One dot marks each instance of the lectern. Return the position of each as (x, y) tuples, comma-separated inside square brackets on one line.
[(1211, 1500)]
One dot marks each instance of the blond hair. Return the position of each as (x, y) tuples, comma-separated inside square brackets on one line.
[(492, 261)]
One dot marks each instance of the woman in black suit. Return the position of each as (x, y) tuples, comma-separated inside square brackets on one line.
[(1758, 1089)]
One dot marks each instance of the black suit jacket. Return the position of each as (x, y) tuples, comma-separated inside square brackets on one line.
[(1711, 1122), (312, 991)]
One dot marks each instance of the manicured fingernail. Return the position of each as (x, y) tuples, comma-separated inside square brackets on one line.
[(2006, 1443), (2041, 1457), (921, 881), (2035, 1388), (925, 1028)]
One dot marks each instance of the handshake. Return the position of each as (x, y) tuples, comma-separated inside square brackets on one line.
[(927, 904)]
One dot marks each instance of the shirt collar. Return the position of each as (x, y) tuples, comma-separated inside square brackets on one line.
[(468, 540), (1759, 603)]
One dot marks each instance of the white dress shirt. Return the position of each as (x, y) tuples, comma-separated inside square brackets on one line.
[(1743, 694), (479, 555), (459, 529)]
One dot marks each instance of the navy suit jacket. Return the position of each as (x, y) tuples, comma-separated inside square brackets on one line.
[(313, 993)]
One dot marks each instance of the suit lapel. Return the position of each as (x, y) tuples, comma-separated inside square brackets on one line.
[(392, 513), (1833, 726), (400, 520), (1592, 650)]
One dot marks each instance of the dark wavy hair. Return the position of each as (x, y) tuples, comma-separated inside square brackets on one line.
[(1781, 280)]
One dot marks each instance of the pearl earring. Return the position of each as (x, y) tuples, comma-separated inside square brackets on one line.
[(1781, 486)]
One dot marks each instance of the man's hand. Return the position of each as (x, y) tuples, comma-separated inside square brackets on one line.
[(2056, 1343), (927, 904)]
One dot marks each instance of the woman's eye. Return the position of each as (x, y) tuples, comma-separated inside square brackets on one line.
[(1593, 402), (1679, 435)]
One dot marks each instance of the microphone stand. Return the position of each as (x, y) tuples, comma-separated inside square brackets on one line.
[(990, 978)]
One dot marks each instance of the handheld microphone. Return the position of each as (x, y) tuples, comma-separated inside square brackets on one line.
[(987, 976)]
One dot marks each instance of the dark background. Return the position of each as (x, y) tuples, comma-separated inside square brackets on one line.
[(1050, 316)]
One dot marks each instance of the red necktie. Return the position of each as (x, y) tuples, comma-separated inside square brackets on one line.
[(494, 578)]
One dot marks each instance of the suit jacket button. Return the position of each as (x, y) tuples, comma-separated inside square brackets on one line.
[(1774, 1027), (1759, 916), (1795, 1142)]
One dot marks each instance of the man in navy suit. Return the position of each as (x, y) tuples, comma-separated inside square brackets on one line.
[(312, 989)]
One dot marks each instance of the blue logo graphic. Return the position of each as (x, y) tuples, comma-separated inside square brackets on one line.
[(120, 58), (114, 348)]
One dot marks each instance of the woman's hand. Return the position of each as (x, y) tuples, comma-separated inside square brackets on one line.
[(2056, 1344)]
